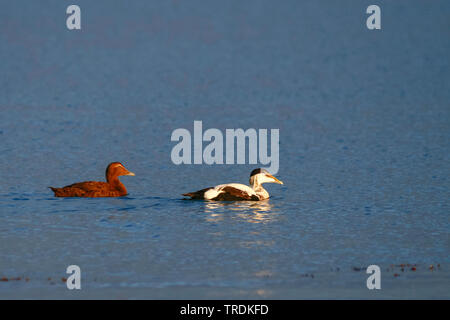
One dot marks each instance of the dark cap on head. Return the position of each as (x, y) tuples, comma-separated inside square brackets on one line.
[(256, 171)]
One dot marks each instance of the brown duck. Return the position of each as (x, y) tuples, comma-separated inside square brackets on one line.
[(95, 189)]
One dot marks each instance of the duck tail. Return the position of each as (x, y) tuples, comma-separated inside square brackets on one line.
[(190, 194), (197, 194), (53, 189)]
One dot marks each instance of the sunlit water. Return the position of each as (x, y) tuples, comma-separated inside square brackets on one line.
[(364, 148)]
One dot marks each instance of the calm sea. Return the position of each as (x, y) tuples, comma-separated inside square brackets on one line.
[(364, 121)]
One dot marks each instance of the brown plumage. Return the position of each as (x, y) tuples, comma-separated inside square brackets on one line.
[(234, 194), (95, 189), (229, 194)]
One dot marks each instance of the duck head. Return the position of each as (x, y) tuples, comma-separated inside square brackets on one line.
[(260, 176), (116, 169)]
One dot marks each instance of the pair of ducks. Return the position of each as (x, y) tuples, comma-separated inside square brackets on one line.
[(223, 192)]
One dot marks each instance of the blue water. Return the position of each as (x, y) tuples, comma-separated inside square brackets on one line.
[(364, 121)]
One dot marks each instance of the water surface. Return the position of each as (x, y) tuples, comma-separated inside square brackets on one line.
[(364, 148)]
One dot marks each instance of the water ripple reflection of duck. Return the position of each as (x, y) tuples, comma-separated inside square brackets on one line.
[(95, 189)]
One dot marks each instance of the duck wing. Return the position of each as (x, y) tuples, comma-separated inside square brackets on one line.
[(68, 192), (225, 192), (86, 189), (89, 186), (231, 193)]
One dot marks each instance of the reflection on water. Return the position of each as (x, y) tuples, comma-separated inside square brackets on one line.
[(263, 292), (250, 211), (255, 206), (247, 211)]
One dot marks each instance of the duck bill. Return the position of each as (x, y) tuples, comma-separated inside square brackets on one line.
[(275, 179), (130, 174)]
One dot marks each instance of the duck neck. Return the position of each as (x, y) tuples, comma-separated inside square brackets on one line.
[(116, 184), (257, 186), (259, 190)]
